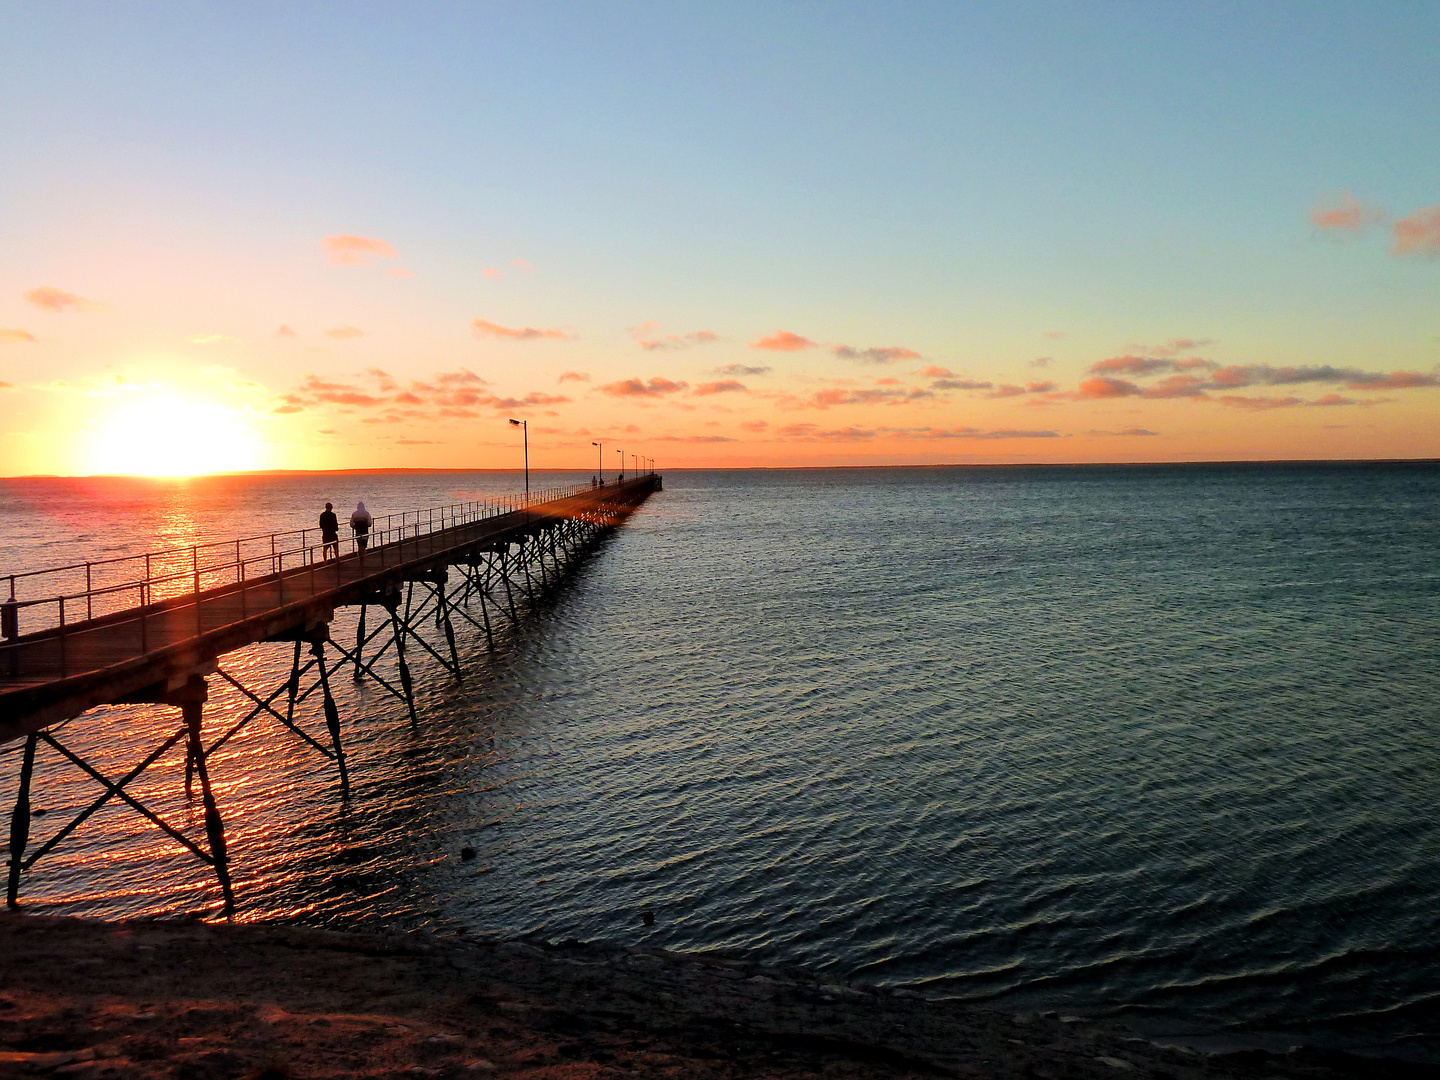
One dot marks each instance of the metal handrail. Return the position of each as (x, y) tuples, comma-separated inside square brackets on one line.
[(232, 571)]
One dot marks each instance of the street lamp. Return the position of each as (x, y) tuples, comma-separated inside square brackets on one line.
[(622, 464), (602, 460), (635, 460), (524, 426)]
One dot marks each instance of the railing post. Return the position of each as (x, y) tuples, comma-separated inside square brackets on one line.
[(89, 607), (64, 653), (195, 561)]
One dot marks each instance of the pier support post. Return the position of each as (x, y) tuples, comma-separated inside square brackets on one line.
[(192, 702), (20, 823), (332, 713), (359, 641), (294, 687), (405, 684)]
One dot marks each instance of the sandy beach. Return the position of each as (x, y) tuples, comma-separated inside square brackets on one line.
[(193, 1000)]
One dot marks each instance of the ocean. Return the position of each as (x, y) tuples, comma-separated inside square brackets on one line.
[(1160, 743)]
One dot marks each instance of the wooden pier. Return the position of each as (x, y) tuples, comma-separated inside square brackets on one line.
[(163, 651)]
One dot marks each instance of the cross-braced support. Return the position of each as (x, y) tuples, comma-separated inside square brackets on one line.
[(190, 697)]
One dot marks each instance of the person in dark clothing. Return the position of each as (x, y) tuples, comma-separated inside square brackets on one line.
[(329, 533), (360, 525)]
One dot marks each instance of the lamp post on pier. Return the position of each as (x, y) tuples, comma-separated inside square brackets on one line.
[(622, 464), (524, 426), (602, 460)]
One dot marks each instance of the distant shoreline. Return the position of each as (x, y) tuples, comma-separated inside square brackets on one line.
[(260, 473)]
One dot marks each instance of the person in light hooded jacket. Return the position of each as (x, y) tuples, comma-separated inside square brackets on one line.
[(360, 525)]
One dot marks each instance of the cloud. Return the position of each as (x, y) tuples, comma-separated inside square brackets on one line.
[(9, 336), (933, 372), (399, 272), (1103, 386), (648, 339), (345, 249), (523, 266), (416, 442), (574, 376), (1396, 380), (970, 433), (1005, 390), (695, 438), (961, 384), (285, 331), (742, 369), (812, 433), (344, 333), (706, 389), (824, 399), (1042, 361), (59, 301), (1418, 234), (483, 328), (1055, 335), (283, 409), (1141, 366), (494, 273), (1334, 399), (1125, 431), (1260, 403), (879, 355), (1039, 387), (784, 341), (656, 387), (1347, 215), (755, 425)]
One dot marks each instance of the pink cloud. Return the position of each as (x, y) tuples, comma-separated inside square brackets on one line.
[(1418, 234), (58, 300), (1347, 215), (485, 328), (285, 332), (1054, 335), (1042, 361), (522, 266), (1177, 386), (742, 369), (1104, 387), (887, 354), (1326, 400), (784, 341), (15, 335), (755, 425), (1396, 380), (494, 273), (344, 333), (695, 438), (346, 249), (933, 372), (648, 339), (574, 376), (656, 387), (1039, 387), (961, 384), (727, 386), (1005, 390)]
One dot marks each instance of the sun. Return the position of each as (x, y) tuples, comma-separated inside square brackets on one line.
[(170, 435)]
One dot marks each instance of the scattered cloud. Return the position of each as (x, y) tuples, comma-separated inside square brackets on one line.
[(494, 273), (1326, 400), (10, 336), (483, 328), (933, 372), (1042, 361), (825, 399), (1347, 214), (1006, 390), (1035, 387), (755, 425), (285, 331), (522, 266), (695, 438), (742, 370), (416, 442), (1124, 431), (344, 333), (646, 335), (58, 301), (961, 384), (459, 394), (1102, 386), (887, 354), (1259, 403), (728, 385), (1418, 234), (1055, 335), (574, 376), (1173, 347), (656, 387), (784, 341), (346, 249)]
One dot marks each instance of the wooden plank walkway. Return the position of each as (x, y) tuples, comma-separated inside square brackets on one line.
[(141, 653)]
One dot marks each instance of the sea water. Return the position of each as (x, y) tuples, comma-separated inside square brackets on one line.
[(1155, 742)]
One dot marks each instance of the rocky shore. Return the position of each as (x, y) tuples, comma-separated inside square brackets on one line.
[(267, 1002)]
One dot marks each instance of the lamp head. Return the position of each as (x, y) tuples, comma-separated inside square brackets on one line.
[(515, 422)]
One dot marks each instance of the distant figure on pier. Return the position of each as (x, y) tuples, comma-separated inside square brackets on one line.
[(360, 525), (592, 481), (329, 534)]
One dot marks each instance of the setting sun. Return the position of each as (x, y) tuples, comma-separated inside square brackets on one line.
[(169, 435)]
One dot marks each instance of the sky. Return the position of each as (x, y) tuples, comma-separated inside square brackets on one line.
[(313, 236)]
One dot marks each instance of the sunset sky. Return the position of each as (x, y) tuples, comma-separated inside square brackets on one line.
[(318, 236)]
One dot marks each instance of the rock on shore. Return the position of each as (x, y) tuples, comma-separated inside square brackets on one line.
[(267, 1002)]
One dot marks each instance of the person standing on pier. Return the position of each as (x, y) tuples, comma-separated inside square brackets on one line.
[(329, 534), (360, 526)]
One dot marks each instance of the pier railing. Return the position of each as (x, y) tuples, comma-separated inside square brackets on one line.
[(57, 597)]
